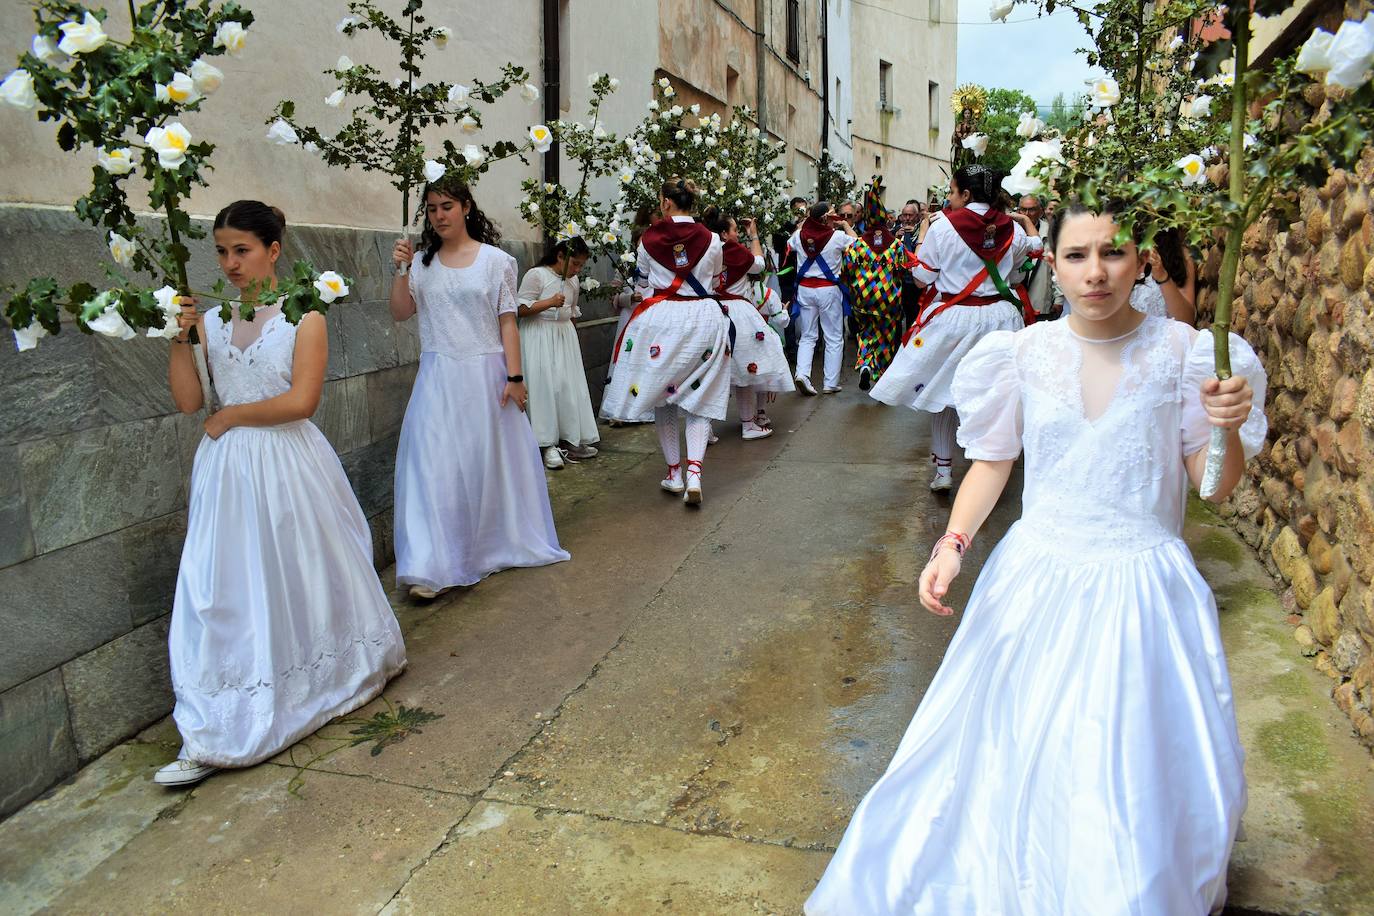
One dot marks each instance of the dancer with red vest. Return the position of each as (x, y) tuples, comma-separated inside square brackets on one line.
[(758, 366), (969, 260), (819, 245), (673, 356)]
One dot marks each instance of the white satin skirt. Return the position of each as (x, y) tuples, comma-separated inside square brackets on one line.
[(923, 370), (280, 623), (471, 497), (1075, 754), (673, 353), (560, 407), (757, 359)]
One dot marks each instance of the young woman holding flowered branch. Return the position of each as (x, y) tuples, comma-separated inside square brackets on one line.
[(968, 259), (470, 492), (280, 623), (560, 406), (1077, 751), (758, 366), (673, 357)]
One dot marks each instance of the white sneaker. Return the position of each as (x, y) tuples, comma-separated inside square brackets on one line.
[(752, 430), (943, 480), (672, 481), (420, 593), (583, 451), (865, 378), (183, 773), (833, 389), (804, 385), (553, 458), (693, 495)]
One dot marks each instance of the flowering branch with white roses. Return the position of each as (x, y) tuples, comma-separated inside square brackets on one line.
[(124, 99), (384, 131), (563, 213), (1196, 112)]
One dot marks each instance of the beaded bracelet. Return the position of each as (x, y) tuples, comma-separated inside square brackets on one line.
[(961, 543)]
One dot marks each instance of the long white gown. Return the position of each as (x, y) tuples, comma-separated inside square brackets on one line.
[(471, 497), (560, 407), (1077, 751), (280, 623)]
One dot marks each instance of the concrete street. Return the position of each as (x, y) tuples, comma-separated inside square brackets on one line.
[(679, 720)]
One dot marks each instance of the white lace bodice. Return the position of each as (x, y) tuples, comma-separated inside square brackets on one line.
[(459, 306), (1147, 297), (260, 370), (1114, 484)]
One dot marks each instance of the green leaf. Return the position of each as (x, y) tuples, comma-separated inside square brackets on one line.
[(66, 136)]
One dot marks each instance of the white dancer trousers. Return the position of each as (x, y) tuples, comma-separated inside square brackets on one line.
[(822, 313)]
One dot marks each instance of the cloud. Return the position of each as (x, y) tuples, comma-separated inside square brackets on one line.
[(1039, 56)]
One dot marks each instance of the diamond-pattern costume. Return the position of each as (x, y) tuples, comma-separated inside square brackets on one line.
[(873, 273)]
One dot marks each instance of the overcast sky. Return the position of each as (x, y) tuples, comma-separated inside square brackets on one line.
[(1035, 55)]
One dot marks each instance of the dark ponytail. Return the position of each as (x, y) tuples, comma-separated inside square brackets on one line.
[(716, 220), (682, 192), (819, 209), (265, 222), (478, 226), (983, 184)]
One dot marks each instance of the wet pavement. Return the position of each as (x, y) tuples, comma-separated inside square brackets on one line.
[(681, 719)]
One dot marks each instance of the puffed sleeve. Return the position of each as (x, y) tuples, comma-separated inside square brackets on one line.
[(987, 394), (505, 292), (759, 266), (1199, 366), (530, 288)]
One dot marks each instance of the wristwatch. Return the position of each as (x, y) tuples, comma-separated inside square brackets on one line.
[(512, 379)]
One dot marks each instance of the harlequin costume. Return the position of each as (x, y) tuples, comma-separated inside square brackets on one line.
[(820, 302), (872, 268), (757, 362), (674, 352), (964, 302)]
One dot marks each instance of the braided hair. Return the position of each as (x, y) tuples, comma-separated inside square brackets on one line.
[(983, 184)]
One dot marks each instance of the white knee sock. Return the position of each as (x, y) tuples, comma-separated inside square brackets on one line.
[(747, 399), (698, 431), (942, 428), (665, 420)]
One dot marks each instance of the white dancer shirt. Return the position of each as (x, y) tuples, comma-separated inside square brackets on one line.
[(946, 260)]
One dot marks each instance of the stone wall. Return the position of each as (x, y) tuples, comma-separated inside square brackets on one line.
[(94, 490), (1307, 503)]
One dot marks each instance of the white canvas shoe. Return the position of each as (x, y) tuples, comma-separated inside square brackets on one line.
[(420, 593), (583, 451), (692, 496), (553, 458), (943, 480), (752, 430), (672, 481), (833, 389), (182, 772), (804, 385)]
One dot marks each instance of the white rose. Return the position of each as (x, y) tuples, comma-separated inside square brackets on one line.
[(1199, 107), (441, 36), (669, 92), (710, 140), (335, 98), (231, 37), (529, 92), (1000, 11), (663, 82), (680, 135), (1194, 169), (675, 111), (1352, 53), (570, 230), (468, 124), (592, 79), (458, 94), (331, 286), (179, 91), (45, 49), (670, 154), (549, 187), (666, 116), (82, 37), (170, 144), (170, 328), (615, 84), (17, 90), (591, 283), (310, 146), (591, 221), (627, 257), (696, 139), (976, 142), (1030, 126), (109, 322), (541, 137), (434, 170), (116, 161), (206, 76), (627, 177), (473, 154), (347, 21), (282, 134), (1176, 42), (121, 249), (167, 301), (1209, 153), (709, 165), (653, 106), (696, 109), (28, 338), (1105, 92), (609, 238), (344, 63), (1248, 140), (1315, 56)]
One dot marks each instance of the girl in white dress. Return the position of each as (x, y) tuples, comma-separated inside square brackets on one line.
[(758, 365), (673, 356), (280, 623), (963, 304), (1169, 287), (1077, 751), (471, 498), (560, 406)]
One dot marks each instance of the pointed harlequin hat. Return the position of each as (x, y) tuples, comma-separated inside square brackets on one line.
[(874, 213)]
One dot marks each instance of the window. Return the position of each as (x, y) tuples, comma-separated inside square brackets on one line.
[(934, 14), (878, 163), (884, 85), (794, 31), (731, 87), (934, 101)]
